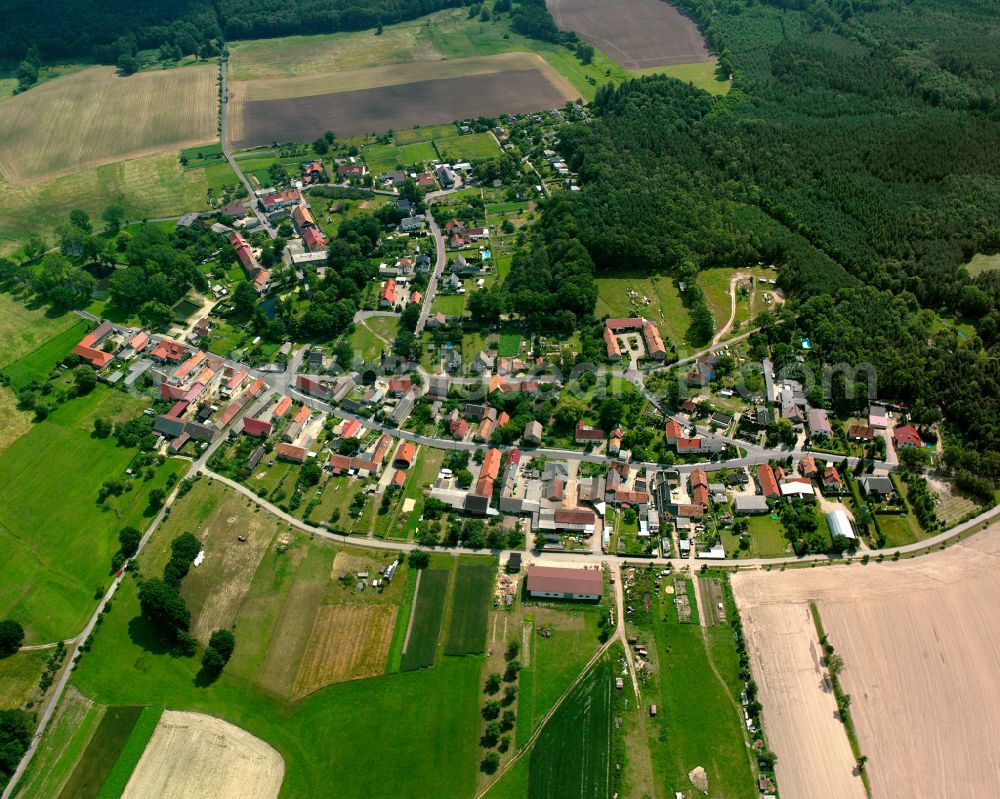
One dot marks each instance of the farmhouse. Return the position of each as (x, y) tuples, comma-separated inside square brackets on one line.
[(768, 482), (279, 200), (555, 583), (88, 350)]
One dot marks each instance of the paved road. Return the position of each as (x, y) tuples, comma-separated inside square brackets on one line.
[(431, 289), (224, 128)]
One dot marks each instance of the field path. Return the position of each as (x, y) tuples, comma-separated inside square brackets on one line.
[(733, 281), (413, 611)]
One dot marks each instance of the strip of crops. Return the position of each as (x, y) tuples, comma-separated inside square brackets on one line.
[(422, 646), (128, 758), (470, 609)]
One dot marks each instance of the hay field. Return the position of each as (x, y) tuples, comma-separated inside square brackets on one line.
[(95, 117), (919, 642), (348, 642), (195, 756), (637, 34)]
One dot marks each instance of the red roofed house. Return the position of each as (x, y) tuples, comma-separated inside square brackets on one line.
[(458, 428), (314, 239), (351, 429), (768, 483), (699, 487), (348, 171), (654, 344), (302, 218), (404, 455), (88, 346), (807, 466), (387, 297), (290, 452), (139, 341), (256, 427), (906, 437), (831, 480), (416, 297), (614, 351), (188, 366), (556, 583), (313, 387), (398, 479), (282, 407), (585, 434), (168, 350), (399, 386), (280, 199), (255, 272)]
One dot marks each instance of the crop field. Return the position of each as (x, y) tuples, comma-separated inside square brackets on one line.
[(148, 186), (200, 757), (637, 34), (102, 751), (431, 710), (471, 147), (471, 606), (348, 642), (395, 655), (921, 720), (425, 625), (56, 553), (135, 745), (95, 117), (573, 754), (421, 102)]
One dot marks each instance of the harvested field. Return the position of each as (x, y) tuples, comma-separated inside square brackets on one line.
[(425, 625), (200, 757), (348, 642), (422, 102), (919, 641), (470, 609), (95, 117), (637, 34)]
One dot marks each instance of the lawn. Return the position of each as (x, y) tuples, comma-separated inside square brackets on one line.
[(573, 754), (766, 537), (339, 735), (510, 344), (470, 609), (374, 335), (701, 74), (425, 133), (59, 552), (470, 147), (449, 304), (421, 649), (402, 623), (698, 722), (898, 529)]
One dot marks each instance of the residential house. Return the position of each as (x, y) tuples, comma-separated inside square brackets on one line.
[(906, 437), (585, 434), (767, 482), (532, 433), (878, 417), (807, 466), (699, 488), (877, 487), (279, 200), (387, 297), (412, 223), (832, 484), (818, 422), (350, 171), (405, 454)]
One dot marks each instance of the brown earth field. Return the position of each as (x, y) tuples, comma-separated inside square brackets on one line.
[(638, 34), (427, 102), (348, 642), (919, 641)]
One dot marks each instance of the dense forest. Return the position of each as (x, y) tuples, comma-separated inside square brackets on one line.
[(107, 30), (859, 151)]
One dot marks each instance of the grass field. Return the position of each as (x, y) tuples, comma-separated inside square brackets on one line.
[(701, 74), (385, 157), (555, 661), (128, 758), (23, 330), (19, 674), (449, 304), (665, 306), (573, 754), (425, 626), (698, 723), (146, 187), (471, 147), (39, 363), (470, 609), (424, 133), (335, 736), (95, 117), (510, 344), (395, 656), (101, 753), (58, 553)]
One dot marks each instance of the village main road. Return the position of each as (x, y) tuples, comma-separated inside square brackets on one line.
[(224, 136), (432, 282)]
